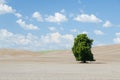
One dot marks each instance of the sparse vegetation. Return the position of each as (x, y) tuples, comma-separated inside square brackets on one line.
[(82, 48)]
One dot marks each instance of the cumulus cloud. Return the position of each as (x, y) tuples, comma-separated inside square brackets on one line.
[(56, 37), (117, 39), (84, 32), (73, 30), (29, 41), (18, 15), (107, 24), (78, 32), (4, 33), (98, 32), (56, 18), (117, 34), (37, 16), (87, 18), (58, 41), (11, 40), (26, 26), (52, 28), (7, 36), (4, 9)]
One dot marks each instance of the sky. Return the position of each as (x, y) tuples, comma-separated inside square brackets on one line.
[(53, 24)]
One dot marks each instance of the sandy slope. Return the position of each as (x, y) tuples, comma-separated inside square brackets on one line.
[(107, 54), (59, 65), (103, 54), (8, 55)]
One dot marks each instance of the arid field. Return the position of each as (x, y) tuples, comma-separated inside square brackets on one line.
[(59, 65)]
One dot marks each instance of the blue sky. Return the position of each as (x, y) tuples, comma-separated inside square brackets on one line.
[(53, 24)]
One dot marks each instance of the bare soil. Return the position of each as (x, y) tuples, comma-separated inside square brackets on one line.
[(59, 65)]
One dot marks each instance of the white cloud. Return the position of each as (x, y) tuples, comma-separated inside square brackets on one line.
[(73, 30), (52, 28), (22, 40), (26, 26), (87, 18), (84, 32), (107, 24), (117, 34), (4, 33), (31, 42), (11, 40), (58, 41), (117, 39), (78, 32), (57, 18), (2, 1), (57, 37), (18, 15), (37, 16), (98, 32), (5, 9), (69, 37)]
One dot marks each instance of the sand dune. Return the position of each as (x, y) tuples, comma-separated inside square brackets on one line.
[(107, 54), (29, 56), (59, 65), (102, 54)]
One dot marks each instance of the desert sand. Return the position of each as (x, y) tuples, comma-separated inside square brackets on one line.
[(59, 65)]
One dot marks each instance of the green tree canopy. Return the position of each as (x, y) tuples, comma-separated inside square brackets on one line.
[(82, 48)]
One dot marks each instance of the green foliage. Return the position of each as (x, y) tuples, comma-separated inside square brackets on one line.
[(82, 48)]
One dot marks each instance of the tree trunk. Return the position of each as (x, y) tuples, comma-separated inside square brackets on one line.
[(84, 61)]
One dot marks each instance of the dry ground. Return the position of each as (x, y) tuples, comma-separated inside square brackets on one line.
[(59, 65)]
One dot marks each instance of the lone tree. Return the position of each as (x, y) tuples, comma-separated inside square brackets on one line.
[(82, 48)]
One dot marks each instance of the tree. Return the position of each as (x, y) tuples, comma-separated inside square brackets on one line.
[(82, 48)]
